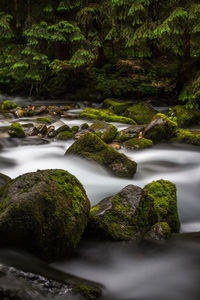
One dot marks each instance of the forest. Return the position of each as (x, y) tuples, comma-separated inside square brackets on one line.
[(98, 49)]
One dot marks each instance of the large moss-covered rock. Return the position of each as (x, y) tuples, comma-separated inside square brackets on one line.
[(91, 147), (44, 211), (117, 106), (105, 131), (186, 137), (137, 144), (16, 130), (160, 129), (4, 179), (186, 117), (121, 217), (8, 105), (132, 131), (104, 114), (162, 193), (135, 213), (141, 113)]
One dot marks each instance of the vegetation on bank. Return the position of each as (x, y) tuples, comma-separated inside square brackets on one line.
[(107, 48)]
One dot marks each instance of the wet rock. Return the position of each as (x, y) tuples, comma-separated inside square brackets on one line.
[(138, 144), (44, 211), (31, 286), (160, 129), (141, 113), (4, 179), (136, 214), (187, 137), (16, 130), (119, 217), (159, 232), (129, 133), (51, 131), (38, 110), (81, 133), (117, 106), (64, 127), (20, 113), (64, 135), (105, 131), (91, 147)]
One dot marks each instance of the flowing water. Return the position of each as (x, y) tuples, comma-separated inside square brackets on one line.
[(126, 270)]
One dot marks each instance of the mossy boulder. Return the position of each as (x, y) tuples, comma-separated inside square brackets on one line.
[(159, 232), (141, 113), (105, 115), (186, 117), (91, 147), (161, 129), (132, 131), (117, 106), (137, 144), (121, 217), (64, 135), (105, 131), (4, 179), (62, 128), (8, 105), (186, 137), (162, 193), (16, 130), (135, 213), (44, 211)]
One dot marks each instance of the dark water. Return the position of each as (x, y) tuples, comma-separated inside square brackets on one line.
[(127, 271)]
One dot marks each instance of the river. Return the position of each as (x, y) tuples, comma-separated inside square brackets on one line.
[(126, 270)]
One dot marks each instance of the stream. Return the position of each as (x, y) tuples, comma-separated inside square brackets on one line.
[(127, 271)]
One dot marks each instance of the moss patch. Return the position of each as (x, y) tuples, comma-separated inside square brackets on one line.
[(104, 114), (141, 113), (44, 120), (137, 144), (64, 135), (16, 130), (8, 105), (105, 131), (117, 107), (186, 137), (186, 117), (162, 193)]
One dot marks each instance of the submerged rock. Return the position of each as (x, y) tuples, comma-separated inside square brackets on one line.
[(44, 211), (160, 129), (137, 144), (31, 286), (91, 147), (141, 113), (104, 114), (135, 213), (16, 130), (105, 131), (117, 106)]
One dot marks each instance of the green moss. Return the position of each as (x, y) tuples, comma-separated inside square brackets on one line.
[(87, 291), (91, 147), (64, 135), (16, 130), (104, 114), (117, 107), (7, 105), (162, 193), (186, 117), (46, 211), (94, 209), (137, 144), (105, 131), (186, 137), (160, 129), (75, 129), (44, 120), (141, 113)]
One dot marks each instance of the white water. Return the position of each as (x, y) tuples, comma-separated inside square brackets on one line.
[(127, 271)]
